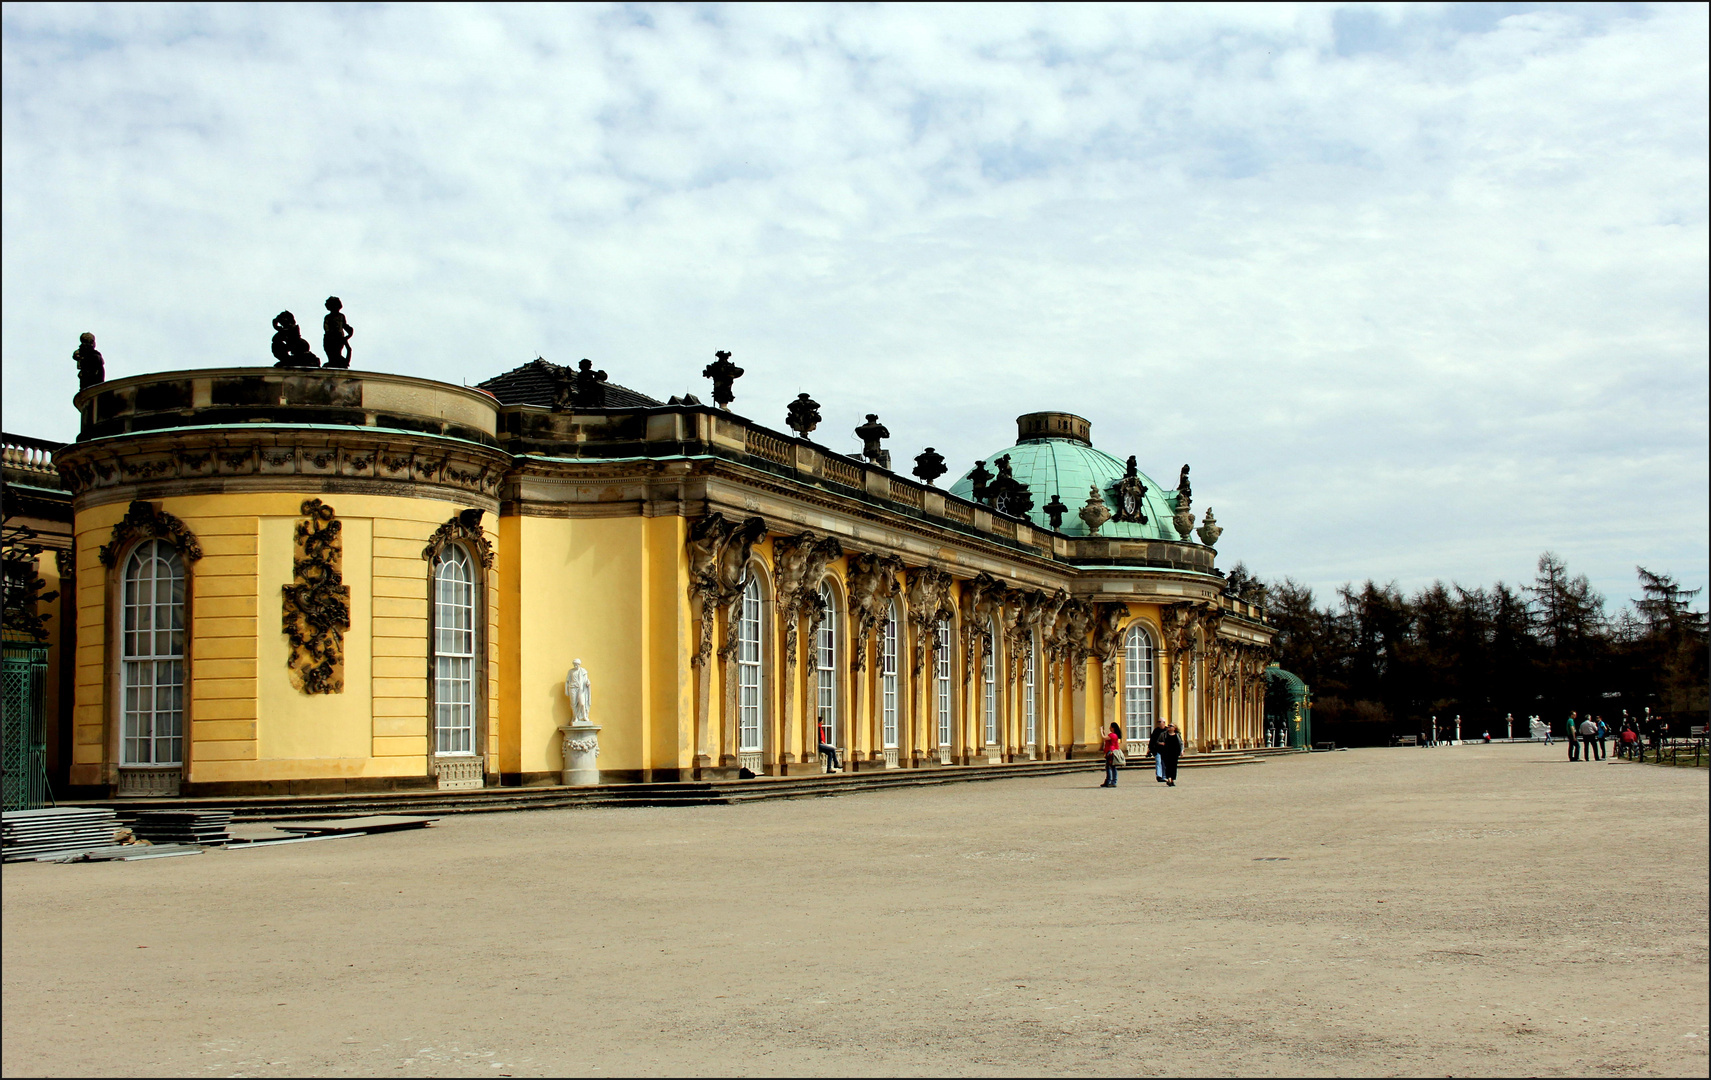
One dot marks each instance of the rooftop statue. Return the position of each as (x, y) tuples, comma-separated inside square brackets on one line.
[(1055, 510), (590, 386), (289, 348), (336, 335), (870, 433), (1129, 494), (929, 466), (981, 478), (1095, 513), (803, 416), (1009, 495), (1184, 493), (91, 369), (723, 373)]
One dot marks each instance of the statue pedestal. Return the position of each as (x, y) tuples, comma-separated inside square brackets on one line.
[(581, 745)]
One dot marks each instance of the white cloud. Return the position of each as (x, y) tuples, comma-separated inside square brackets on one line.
[(1420, 291)]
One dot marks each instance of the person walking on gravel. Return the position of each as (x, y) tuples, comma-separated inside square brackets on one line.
[(1171, 750), (1155, 748), (1113, 742)]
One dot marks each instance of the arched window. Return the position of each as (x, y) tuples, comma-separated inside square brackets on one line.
[(1028, 691), (826, 667), (749, 720), (152, 658), (454, 652), (888, 678), (989, 674), (1138, 682), (942, 681)]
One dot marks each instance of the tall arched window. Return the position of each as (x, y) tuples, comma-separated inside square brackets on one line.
[(826, 667), (749, 720), (942, 681), (989, 674), (1028, 691), (888, 678), (1138, 682), (153, 656), (454, 652)]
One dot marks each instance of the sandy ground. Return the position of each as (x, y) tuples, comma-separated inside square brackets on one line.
[(1456, 911)]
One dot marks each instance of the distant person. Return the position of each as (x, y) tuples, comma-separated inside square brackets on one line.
[(1488, 736), (1548, 736), (1113, 743), (828, 751), (1588, 739), (1170, 748), (1154, 747), (1603, 739), (1573, 726), (1630, 739)]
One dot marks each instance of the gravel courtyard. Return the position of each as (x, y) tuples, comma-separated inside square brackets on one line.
[(1455, 911)]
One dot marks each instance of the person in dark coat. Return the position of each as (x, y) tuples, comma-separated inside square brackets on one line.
[(1170, 748), (1153, 745)]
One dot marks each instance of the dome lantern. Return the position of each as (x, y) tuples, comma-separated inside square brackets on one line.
[(1052, 425)]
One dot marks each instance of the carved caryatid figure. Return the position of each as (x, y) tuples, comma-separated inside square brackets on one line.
[(289, 348), (870, 433), (1077, 625), (803, 415), (1130, 494), (580, 692), (1095, 513), (800, 562), (91, 369), (929, 465), (1108, 640), (723, 373), (929, 603), (718, 567), (872, 583), (336, 334)]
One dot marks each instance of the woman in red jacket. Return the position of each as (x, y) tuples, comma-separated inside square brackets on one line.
[(1113, 742)]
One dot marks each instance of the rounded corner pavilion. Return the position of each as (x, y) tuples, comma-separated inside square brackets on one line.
[(334, 579)]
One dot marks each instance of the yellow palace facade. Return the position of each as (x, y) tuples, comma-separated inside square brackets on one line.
[(308, 580)]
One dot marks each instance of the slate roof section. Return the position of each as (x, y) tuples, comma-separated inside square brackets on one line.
[(532, 384)]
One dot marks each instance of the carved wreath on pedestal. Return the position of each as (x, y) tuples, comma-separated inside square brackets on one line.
[(317, 603)]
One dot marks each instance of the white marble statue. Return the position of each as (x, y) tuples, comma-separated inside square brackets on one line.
[(577, 689)]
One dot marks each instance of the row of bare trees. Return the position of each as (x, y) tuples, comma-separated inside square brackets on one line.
[(1382, 663)]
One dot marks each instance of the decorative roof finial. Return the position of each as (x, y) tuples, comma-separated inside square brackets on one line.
[(929, 466), (870, 433), (1095, 513), (1129, 494), (803, 416), (1209, 530), (723, 373)]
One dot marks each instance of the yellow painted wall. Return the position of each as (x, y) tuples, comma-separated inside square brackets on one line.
[(246, 721), (611, 593)]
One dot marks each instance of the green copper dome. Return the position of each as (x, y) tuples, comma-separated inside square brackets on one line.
[(1054, 457)]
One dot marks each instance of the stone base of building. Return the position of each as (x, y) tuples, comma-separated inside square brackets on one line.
[(355, 785)]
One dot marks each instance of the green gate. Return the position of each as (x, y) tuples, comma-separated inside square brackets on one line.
[(23, 746)]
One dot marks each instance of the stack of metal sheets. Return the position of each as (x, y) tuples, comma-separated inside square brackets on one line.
[(28, 834), (182, 826)]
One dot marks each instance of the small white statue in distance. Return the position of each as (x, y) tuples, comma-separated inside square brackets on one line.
[(577, 689)]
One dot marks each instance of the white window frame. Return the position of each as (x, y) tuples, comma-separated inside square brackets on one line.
[(942, 679), (152, 656), (751, 702), (1140, 700), (453, 634), (888, 678), (1029, 715), (989, 675), (826, 668)]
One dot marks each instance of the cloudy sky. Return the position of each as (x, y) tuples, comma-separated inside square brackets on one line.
[(1420, 291)]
